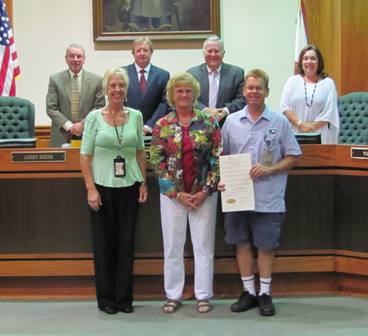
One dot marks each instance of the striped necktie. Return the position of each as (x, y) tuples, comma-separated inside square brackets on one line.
[(74, 97)]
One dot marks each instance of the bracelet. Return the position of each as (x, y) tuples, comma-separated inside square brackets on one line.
[(299, 123)]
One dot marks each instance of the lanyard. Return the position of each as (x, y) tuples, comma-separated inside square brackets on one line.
[(119, 137)]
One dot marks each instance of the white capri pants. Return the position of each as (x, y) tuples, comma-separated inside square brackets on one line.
[(202, 223)]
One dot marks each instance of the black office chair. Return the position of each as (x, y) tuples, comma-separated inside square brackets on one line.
[(353, 111), (17, 122)]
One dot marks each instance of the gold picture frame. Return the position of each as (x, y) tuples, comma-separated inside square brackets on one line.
[(169, 23)]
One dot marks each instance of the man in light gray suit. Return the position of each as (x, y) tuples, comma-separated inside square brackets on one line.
[(59, 97), (221, 83)]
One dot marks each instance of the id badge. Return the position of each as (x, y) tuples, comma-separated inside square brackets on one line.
[(119, 166), (267, 158)]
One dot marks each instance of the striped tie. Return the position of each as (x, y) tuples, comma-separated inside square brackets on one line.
[(75, 99)]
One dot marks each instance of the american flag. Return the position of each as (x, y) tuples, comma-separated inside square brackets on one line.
[(8, 55)]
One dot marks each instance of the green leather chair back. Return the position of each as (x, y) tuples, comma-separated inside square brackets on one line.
[(17, 118), (353, 111)]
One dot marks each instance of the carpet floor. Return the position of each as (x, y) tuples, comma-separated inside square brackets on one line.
[(345, 316)]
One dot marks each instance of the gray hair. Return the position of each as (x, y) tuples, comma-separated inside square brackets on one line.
[(75, 46), (214, 38)]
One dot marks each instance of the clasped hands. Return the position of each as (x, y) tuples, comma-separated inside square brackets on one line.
[(219, 114), (191, 202), (306, 126), (77, 129)]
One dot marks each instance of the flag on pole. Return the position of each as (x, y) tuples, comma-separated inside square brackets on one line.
[(301, 39), (8, 55)]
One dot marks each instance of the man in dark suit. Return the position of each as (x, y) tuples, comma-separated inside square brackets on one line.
[(67, 120), (147, 84), (221, 83)]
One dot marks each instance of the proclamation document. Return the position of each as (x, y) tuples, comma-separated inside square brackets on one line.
[(234, 173)]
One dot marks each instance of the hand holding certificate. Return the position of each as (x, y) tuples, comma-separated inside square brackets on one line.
[(234, 173)]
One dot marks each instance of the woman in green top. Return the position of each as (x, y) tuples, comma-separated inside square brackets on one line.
[(113, 166)]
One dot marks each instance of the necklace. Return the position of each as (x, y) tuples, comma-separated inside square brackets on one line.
[(185, 121), (118, 117), (305, 94)]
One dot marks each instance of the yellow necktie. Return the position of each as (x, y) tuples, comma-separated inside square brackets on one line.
[(74, 97)]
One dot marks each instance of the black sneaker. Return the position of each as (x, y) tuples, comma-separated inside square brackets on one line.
[(266, 307), (245, 302)]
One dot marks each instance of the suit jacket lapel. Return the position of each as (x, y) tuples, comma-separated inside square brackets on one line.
[(223, 73), (85, 87), (151, 78), (203, 79), (133, 80), (67, 84)]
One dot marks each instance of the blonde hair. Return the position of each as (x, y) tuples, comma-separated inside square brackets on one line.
[(257, 73), (143, 39), (120, 72), (182, 79)]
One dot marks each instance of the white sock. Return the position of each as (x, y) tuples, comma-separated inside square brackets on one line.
[(248, 283), (265, 286)]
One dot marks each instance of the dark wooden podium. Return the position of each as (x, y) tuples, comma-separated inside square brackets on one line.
[(44, 227)]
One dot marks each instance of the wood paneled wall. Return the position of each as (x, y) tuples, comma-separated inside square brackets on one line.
[(340, 29), (323, 30), (9, 8), (354, 45)]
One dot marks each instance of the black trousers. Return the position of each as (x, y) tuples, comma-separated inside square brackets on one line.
[(113, 228)]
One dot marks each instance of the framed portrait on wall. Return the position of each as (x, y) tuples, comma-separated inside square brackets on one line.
[(177, 21)]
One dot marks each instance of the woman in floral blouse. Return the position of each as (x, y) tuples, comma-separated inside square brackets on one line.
[(184, 153)]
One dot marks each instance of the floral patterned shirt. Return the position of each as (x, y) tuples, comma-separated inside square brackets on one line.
[(166, 153)]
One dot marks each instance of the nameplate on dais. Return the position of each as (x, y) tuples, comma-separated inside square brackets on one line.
[(53, 156), (359, 153)]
